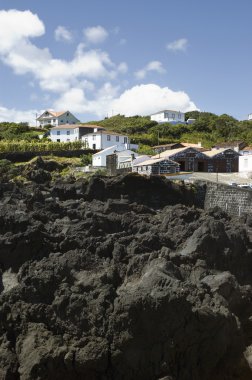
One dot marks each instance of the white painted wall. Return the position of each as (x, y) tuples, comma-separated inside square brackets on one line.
[(99, 159), (64, 135), (169, 117), (103, 140), (66, 118), (245, 163)]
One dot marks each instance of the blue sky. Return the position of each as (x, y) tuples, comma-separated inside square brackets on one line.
[(99, 58)]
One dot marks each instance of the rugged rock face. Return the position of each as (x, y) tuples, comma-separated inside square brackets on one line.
[(121, 279)]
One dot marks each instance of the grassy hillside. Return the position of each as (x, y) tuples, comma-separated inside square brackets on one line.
[(208, 128)]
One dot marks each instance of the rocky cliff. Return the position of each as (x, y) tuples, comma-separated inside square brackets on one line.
[(120, 279)]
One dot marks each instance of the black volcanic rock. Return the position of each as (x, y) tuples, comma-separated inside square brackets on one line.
[(121, 279)]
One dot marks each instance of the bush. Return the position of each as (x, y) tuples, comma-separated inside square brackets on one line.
[(86, 159), (7, 146)]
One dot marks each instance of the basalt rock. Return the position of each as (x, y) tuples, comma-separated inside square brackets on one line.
[(121, 278)]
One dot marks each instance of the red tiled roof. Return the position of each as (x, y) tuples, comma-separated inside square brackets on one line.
[(56, 114)]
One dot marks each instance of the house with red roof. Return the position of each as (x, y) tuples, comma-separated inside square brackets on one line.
[(56, 118)]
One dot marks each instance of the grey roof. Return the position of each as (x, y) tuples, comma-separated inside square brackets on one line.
[(166, 111), (154, 161)]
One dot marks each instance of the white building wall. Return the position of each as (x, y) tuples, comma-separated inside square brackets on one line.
[(60, 120), (245, 163), (99, 159), (102, 140), (169, 117), (65, 135), (92, 140)]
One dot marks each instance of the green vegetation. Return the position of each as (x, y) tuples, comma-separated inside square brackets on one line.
[(15, 131), (127, 125), (86, 159), (37, 146), (145, 149), (208, 128)]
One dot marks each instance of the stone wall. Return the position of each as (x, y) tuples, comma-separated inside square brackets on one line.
[(233, 200)]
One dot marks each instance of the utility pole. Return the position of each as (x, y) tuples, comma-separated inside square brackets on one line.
[(158, 144)]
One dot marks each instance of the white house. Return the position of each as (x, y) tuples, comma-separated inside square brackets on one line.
[(168, 116), (99, 159), (56, 118), (72, 132), (245, 163), (105, 139)]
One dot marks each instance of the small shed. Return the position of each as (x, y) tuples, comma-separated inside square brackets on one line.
[(157, 166), (222, 160), (189, 159)]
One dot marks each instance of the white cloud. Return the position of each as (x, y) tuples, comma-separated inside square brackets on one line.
[(138, 100), (17, 116), (76, 100), (155, 66), (78, 81), (16, 26), (61, 33), (56, 75), (122, 68), (178, 45), (149, 98), (95, 34)]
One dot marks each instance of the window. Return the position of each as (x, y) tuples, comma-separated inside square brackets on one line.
[(54, 120), (58, 133), (179, 115), (108, 137), (62, 121), (166, 115), (117, 138), (173, 115), (58, 140), (125, 140), (67, 114), (68, 132), (94, 137)]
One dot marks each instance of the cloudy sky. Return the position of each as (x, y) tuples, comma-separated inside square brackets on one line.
[(98, 58)]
